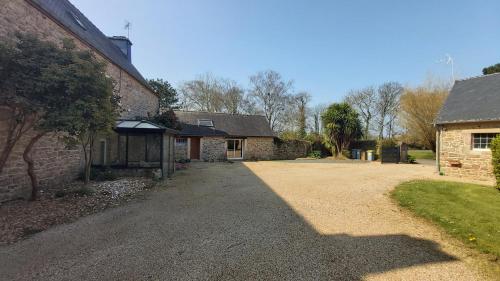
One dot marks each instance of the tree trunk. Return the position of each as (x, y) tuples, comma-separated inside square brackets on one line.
[(31, 165), (367, 129), (16, 131), (87, 149), (7, 149)]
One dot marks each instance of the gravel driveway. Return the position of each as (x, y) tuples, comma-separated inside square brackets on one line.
[(284, 220)]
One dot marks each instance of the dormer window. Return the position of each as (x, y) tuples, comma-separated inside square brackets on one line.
[(205, 123)]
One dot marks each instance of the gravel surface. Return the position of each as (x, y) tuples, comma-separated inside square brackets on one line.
[(20, 218), (282, 220)]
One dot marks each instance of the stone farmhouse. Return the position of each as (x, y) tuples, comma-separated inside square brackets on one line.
[(466, 124), (220, 136), (132, 142)]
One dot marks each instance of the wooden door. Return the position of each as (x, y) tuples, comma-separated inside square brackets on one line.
[(195, 149)]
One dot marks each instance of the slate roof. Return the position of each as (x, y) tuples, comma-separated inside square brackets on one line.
[(227, 125), (62, 11), (472, 100)]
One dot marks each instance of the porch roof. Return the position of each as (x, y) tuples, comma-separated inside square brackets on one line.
[(142, 126)]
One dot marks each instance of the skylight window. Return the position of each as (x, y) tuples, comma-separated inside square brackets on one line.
[(77, 20), (205, 123)]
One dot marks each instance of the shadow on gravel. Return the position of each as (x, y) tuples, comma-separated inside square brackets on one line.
[(219, 222)]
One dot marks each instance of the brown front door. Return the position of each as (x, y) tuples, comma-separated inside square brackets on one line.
[(195, 148)]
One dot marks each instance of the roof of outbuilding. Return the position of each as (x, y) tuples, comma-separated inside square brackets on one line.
[(475, 99), (142, 126), (64, 12), (224, 124)]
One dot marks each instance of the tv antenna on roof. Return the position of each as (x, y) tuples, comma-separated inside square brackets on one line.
[(127, 27), (449, 61)]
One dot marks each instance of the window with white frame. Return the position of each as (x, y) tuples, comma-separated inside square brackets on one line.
[(482, 140), (205, 123), (181, 141)]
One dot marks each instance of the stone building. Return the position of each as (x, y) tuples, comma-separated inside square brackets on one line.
[(55, 20), (468, 121), (220, 136)]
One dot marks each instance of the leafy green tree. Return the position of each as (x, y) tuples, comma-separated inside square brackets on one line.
[(491, 69), (28, 93), (95, 107), (49, 89), (167, 94), (341, 125), (167, 119)]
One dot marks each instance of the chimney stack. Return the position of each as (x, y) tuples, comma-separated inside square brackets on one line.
[(124, 44)]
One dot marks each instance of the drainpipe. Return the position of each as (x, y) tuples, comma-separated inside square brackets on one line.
[(438, 148)]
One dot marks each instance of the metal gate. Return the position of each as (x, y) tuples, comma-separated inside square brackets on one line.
[(390, 155)]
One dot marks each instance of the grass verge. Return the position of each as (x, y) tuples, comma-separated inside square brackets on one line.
[(468, 212), (422, 154)]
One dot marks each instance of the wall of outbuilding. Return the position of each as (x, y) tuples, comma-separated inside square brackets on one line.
[(213, 149), (456, 155)]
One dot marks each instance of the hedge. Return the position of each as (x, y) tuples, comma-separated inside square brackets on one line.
[(495, 153)]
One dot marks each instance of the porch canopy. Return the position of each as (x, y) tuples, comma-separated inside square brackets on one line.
[(144, 144)]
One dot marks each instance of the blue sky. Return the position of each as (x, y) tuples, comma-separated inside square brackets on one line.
[(326, 47)]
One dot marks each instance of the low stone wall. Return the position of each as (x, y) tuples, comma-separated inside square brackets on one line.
[(213, 149), (290, 149), (456, 156)]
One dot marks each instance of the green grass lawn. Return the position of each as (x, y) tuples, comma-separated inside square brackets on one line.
[(422, 154), (468, 212)]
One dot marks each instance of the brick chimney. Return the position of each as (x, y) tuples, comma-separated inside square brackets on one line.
[(124, 44)]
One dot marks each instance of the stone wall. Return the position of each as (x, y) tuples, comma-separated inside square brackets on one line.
[(290, 150), (54, 163), (456, 156), (213, 149), (257, 148)]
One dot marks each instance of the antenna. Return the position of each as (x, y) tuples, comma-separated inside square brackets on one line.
[(127, 27), (449, 61)]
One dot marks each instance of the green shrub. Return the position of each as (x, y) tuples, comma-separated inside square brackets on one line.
[(411, 159), (495, 152), (316, 154)]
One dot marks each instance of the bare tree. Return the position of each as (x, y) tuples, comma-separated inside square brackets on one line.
[(419, 109), (202, 94), (232, 96), (302, 99), (271, 94), (363, 101), (214, 94), (315, 113), (387, 106)]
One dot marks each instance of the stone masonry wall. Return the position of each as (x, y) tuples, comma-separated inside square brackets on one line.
[(54, 163), (291, 150), (457, 158), (258, 148), (213, 149)]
